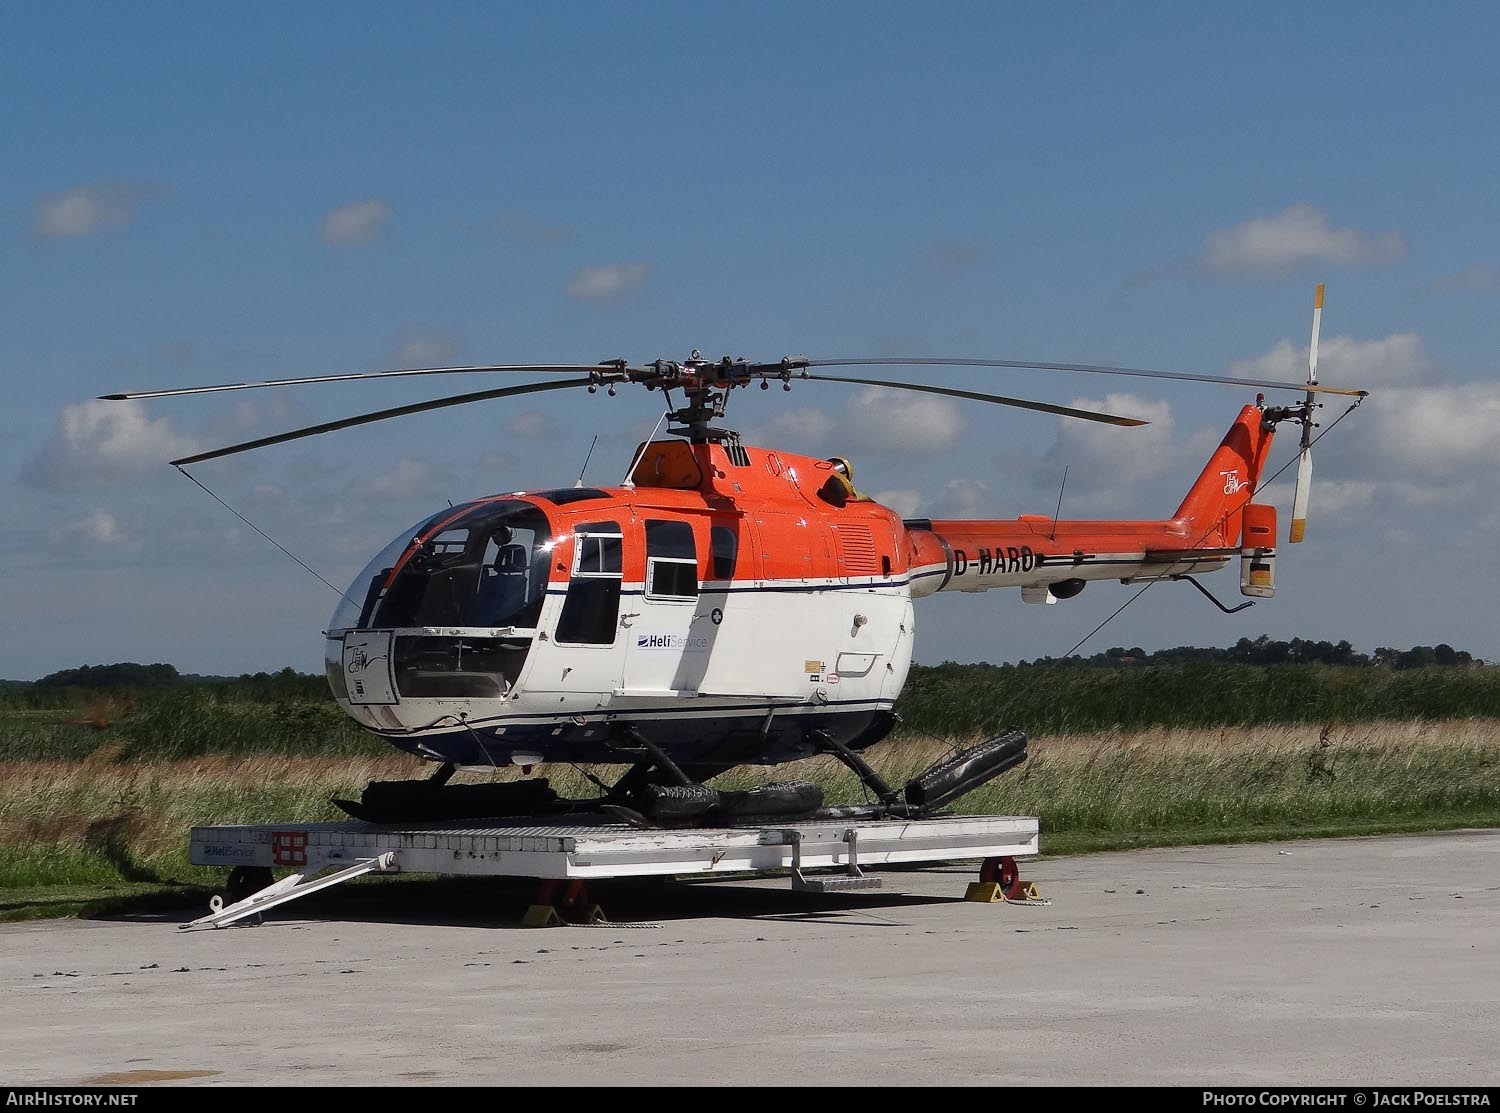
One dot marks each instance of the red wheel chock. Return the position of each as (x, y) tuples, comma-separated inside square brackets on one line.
[(1000, 880), (549, 908)]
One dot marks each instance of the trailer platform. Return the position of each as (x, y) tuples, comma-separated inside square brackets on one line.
[(320, 855)]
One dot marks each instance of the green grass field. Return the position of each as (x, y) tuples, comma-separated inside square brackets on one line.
[(77, 833), (98, 790), (296, 715)]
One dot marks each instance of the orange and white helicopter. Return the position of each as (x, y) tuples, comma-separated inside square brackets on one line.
[(726, 604)]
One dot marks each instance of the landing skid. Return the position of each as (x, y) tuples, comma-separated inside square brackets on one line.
[(656, 793), (629, 816)]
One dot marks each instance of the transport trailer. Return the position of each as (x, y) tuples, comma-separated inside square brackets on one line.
[(564, 856)]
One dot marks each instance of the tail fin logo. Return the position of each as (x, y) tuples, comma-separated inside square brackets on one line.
[(1232, 481)]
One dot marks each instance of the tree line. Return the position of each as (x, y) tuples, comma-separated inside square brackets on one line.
[(287, 683), (1267, 651), (1247, 651)]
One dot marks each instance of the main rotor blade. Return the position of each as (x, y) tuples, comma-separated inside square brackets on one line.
[(529, 368), (381, 415), (999, 399), (1090, 368)]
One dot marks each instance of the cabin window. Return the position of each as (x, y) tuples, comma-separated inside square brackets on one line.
[(725, 543), (591, 610), (599, 553), (671, 561)]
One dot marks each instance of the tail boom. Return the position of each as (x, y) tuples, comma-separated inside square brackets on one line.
[(1050, 559)]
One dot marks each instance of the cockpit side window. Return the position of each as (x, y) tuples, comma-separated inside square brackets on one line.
[(599, 554), (484, 568)]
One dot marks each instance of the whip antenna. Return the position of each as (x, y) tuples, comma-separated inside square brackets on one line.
[(586, 460)]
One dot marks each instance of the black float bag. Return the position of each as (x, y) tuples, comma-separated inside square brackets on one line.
[(965, 771)]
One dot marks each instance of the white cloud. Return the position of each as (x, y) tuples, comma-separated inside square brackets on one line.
[(903, 421), (1284, 362), (86, 209), (1117, 472), (1268, 246), (356, 223), (532, 425), (494, 464), (875, 422), (1474, 277), (964, 498), (1395, 360), (1339, 497), (804, 428), (1331, 497), (609, 282), (101, 443), (1445, 433), (420, 347), (167, 534), (408, 478), (252, 416), (1099, 454), (902, 502), (100, 529), (1421, 440)]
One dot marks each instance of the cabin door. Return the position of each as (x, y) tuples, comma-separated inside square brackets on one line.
[(665, 655)]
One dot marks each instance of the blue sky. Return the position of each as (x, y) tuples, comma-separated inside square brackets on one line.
[(199, 194)]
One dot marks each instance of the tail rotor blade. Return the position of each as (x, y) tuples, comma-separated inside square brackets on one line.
[(1299, 497), (1317, 327), (1304, 457)]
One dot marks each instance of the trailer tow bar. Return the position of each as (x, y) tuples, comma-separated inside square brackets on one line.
[(288, 889)]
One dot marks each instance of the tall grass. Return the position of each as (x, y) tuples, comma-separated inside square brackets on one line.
[(192, 721), (1129, 789), (962, 699), (1165, 780), (102, 820), (184, 723)]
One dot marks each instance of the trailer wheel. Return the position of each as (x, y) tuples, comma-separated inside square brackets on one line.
[(245, 881), (1003, 872)]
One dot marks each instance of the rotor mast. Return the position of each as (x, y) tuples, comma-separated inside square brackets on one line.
[(705, 386)]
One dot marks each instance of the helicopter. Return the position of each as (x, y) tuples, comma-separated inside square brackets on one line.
[(726, 604)]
